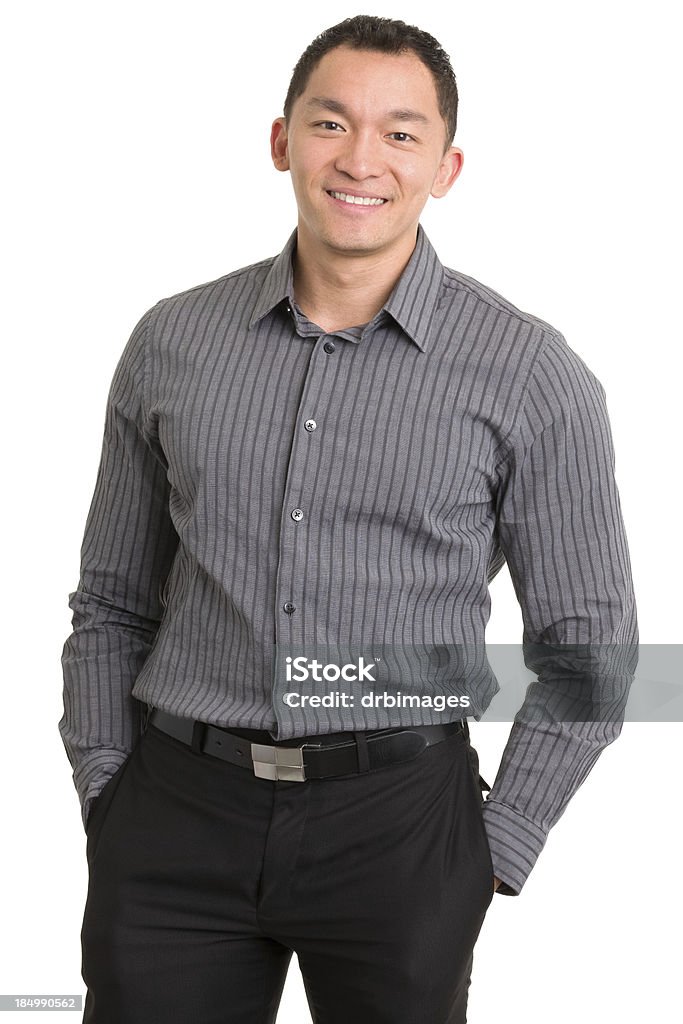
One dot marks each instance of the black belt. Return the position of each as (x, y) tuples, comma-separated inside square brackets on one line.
[(322, 758)]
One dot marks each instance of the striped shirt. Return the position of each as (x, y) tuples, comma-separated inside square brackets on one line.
[(266, 488)]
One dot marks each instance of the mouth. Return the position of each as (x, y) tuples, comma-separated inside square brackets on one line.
[(348, 199)]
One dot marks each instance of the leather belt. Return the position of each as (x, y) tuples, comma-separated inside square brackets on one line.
[(318, 759)]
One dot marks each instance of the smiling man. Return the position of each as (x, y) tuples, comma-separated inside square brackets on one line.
[(366, 145), (327, 453)]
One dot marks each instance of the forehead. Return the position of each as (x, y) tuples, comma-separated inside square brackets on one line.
[(368, 80)]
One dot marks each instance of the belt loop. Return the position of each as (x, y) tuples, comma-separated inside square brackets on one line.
[(362, 752), (198, 732)]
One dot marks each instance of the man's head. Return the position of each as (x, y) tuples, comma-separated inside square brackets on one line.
[(382, 35), (369, 116)]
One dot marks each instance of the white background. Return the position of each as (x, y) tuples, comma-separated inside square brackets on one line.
[(136, 165)]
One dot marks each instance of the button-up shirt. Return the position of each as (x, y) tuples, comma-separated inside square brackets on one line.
[(266, 487)]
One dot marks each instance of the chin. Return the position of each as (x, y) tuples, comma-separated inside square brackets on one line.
[(353, 242), (357, 246)]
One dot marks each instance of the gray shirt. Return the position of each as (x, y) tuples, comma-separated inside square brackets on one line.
[(265, 487)]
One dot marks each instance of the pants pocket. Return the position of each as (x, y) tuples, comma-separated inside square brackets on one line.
[(479, 785), (100, 806)]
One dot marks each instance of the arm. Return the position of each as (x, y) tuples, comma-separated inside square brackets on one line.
[(561, 530), (127, 551)]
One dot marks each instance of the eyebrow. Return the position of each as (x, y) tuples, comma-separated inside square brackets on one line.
[(400, 114)]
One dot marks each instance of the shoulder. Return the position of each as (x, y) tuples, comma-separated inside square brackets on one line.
[(459, 287), (536, 354), (506, 343), (210, 295)]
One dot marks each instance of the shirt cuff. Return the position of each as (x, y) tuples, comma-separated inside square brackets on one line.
[(93, 773), (515, 844)]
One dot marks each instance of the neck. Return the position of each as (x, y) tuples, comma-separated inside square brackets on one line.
[(337, 289)]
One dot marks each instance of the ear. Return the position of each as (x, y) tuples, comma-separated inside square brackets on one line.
[(449, 169), (278, 144)]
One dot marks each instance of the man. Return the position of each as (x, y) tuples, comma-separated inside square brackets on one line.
[(330, 451)]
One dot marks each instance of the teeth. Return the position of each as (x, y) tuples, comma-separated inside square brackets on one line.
[(357, 200)]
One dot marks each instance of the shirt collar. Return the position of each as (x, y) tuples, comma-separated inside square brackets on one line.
[(278, 284), (412, 303)]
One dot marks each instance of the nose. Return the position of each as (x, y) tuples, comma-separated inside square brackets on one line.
[(360, 156)]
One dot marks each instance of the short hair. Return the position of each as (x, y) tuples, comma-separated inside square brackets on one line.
[(383, 35)]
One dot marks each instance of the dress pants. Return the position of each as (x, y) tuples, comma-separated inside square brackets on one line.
[(204, 879)]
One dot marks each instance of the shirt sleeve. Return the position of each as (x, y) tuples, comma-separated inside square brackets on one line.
[(560, 527), (127, 551)]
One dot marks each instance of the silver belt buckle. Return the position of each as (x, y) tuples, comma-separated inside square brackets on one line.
[(284, 763)]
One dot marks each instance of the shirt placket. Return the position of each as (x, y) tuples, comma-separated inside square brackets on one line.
[(300, 520)]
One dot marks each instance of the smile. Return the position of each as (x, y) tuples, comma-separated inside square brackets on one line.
[(344, 197)]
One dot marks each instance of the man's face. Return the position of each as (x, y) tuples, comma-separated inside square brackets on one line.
[(367, 125)]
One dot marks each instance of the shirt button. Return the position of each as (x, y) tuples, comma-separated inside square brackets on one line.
[(310, 424), (289, 607), (329, 346), (297, 514)]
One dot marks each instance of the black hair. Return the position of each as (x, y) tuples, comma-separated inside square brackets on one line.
[(384, 35)]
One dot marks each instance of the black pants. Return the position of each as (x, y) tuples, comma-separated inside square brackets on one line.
[(203, 880)]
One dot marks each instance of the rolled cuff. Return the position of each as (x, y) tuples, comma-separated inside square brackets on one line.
[(515, 844), (93, 773)]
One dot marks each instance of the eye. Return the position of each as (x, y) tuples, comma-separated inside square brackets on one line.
[(328, 124), (404, 136)]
